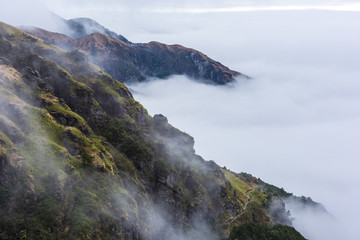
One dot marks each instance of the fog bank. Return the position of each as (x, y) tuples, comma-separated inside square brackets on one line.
[(285, 132), (295, 124)]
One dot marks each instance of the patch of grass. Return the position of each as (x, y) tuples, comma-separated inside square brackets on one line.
[(262, 232), (256, 213), (134, 107), (46, 98), (236, 182), (68, 117), (51, 127), (258, 196), (239, 187), (5, 142), (91, 150)]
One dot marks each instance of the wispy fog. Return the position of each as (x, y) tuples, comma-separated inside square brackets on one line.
[(314, 223), (300, 135), (295, 124)]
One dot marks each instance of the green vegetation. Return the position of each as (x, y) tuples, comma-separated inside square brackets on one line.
[(258, 196), (261, 232), (240, 188), (81, 159), (273, 191), (65, 116), (236, 182), (256, 213), (119, 132)]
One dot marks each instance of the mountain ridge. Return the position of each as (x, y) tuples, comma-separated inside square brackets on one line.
[(81, 159), (136, 62)]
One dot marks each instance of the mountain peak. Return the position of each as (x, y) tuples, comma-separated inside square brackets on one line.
[(134, 62), (81, 27)]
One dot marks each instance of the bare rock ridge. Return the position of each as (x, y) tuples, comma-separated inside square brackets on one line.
[(130, 62), (81, 159)]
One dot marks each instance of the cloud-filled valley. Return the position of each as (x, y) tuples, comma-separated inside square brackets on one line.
[(268, 131), (294, 124)]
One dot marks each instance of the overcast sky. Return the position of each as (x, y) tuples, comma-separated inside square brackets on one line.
[(295, 124), (116, 13), (187, 5)]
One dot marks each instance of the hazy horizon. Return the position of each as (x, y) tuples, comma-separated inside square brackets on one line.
[(295, 124)]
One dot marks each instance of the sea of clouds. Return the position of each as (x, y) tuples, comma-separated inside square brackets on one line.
[(295, 124)]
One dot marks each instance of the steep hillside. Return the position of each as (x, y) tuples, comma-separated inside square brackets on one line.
[(134, 62), (81, 159)]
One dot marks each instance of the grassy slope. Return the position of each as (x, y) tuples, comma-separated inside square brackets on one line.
[(81, 159)]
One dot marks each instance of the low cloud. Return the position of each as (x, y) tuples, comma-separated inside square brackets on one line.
[(312, 221), (160, 228), (291, 133), (295, 124), (155, 221), (296, 130)]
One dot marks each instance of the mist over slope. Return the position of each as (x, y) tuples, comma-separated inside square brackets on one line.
[(82, 27), (262, 127), (80, 158), (319, 46), (297, 116)]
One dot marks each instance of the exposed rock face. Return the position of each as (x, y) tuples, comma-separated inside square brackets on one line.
[(81, 159), (134, 62)]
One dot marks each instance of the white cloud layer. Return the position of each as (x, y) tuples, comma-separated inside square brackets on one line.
[(295, 124)]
